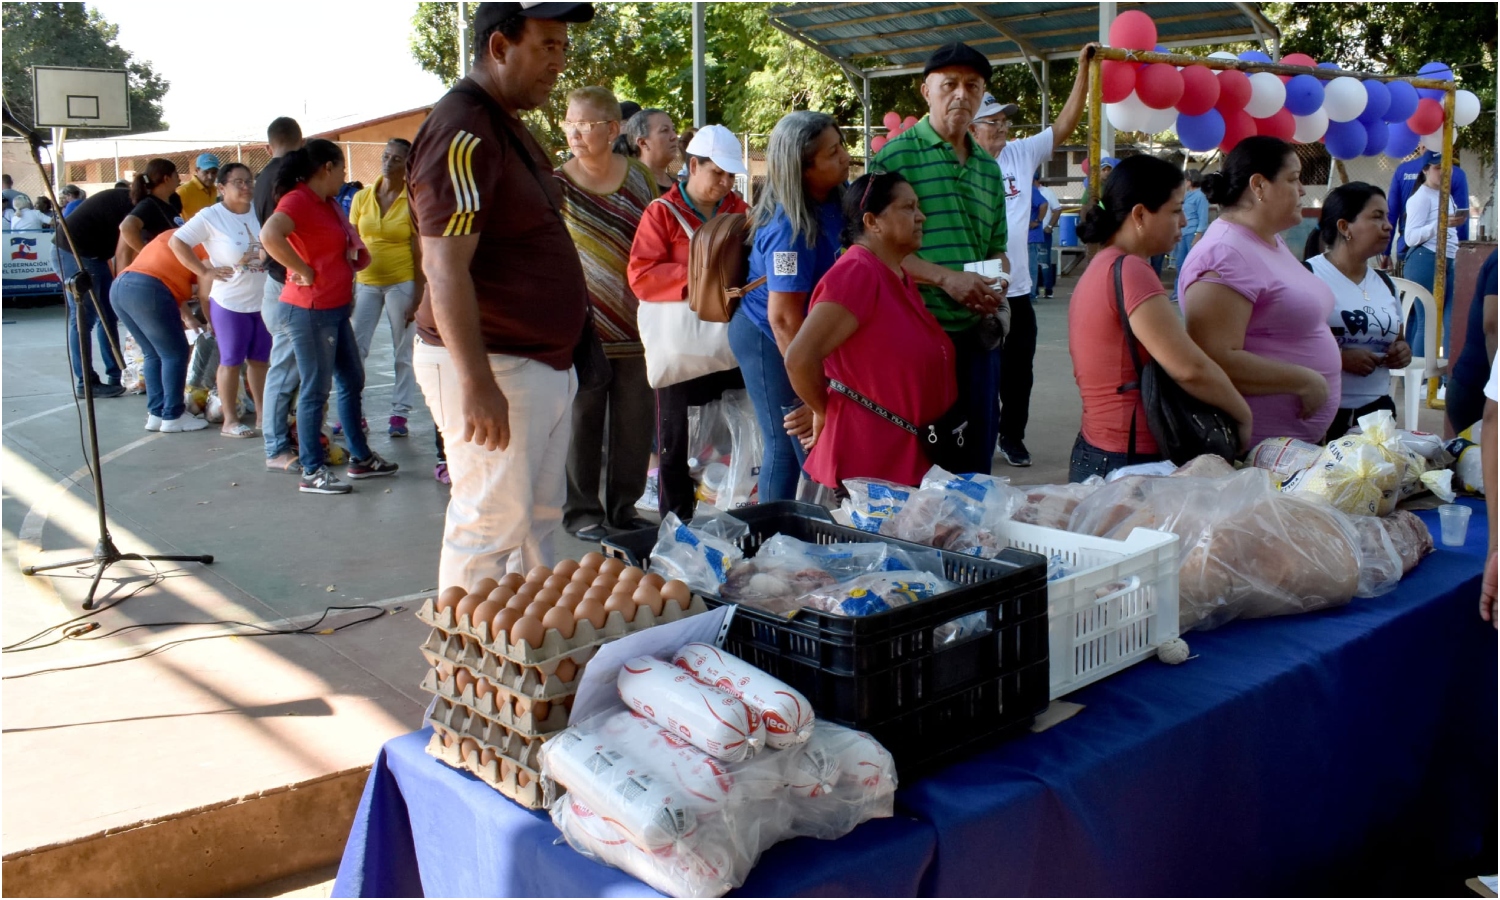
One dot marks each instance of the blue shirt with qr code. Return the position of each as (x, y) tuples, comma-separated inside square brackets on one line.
[(791, 266)]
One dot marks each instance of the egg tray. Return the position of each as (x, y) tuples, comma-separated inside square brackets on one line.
[(522, 681), (501, 712), (529, 795), (464, 722), (586, 638)]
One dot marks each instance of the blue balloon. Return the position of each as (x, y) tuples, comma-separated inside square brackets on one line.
[(1437, 72), (1376, 138), (1403, 101), (1377, 101), (1254, 56), (1401, 141), (1304, 95), (1346, 140), (1328, 65), (1201, 133)]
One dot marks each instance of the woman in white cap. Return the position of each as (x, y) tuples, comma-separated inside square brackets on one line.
[(658, 273)]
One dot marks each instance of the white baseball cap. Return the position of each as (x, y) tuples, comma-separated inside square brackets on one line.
[(989, 106), (721, 146)]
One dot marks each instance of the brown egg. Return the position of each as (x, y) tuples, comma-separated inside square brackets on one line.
[(466, 606), (484, 612), (448, 739), (569, 602), (466, 746), (507, 769), (559, 619), (462, 678), (623, 587), (519, 602), (523, 777), (585, 576), (539, 608), (566, 568), (555, 582), (592, 610), (540, 573), (597, 594), (449, 598), (484, 586), (631, 575), (513, 580), (679, 593), (500, 625), (541, 709), (445, 670), (528, 629), (621, 604), (654, 580), (566, 671), (646, 595), (574, 589), (548, 595), (487, 756), (592, 560), (529, 589), (611, 567), (483, 688), (607, 582), (502, 594)]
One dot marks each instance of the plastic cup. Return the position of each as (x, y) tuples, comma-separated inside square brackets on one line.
[(1455, 523)]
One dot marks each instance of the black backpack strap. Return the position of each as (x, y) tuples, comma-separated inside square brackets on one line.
[(1389, 284), (1117, 274), (839, 387)]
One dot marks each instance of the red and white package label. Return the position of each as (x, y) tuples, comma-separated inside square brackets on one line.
[(704, 781), (784, 711), (717, 723)]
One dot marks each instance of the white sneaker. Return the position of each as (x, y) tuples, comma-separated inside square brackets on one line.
[(153, 423), (183, 422)]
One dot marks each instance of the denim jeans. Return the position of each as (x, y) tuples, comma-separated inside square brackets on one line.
[(397, 301), (1090, 460), (107, 328), (281, 375), (1421, 267), (1179, 258), (1042, 276), (323, 342), (770, 390), (151, 313)]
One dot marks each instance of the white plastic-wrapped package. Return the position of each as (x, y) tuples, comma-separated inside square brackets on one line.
[(872, 502), (1361, 473), (785, 713), (961, 513), (695, 554), (644, 808), (1050, 505), (785, 569), (705, 781), (680, 871), (716, 722), (876, 592)]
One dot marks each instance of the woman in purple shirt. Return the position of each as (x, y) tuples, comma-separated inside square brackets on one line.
[(1252, 306)]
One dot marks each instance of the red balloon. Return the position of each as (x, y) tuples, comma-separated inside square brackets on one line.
[(1200, 91), (908, 122), (1234, 90), (1428, 117), (1299, 59), (892, 120), (1279, 124), (1116, 80), (877, 143), (1133, 30), (1237, 126), (1159, 85)]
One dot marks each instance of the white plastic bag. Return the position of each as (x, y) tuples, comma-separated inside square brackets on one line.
[(679, 345), (1360, 474), (698, 554)]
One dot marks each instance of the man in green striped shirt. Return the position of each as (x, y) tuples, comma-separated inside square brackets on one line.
[(961, 194)]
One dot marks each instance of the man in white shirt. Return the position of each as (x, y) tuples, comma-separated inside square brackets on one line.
[(1018, 160)]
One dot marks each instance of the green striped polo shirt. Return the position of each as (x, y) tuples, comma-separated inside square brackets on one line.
[(964, 207)]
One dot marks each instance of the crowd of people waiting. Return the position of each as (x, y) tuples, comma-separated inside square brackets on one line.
[(499, 275)]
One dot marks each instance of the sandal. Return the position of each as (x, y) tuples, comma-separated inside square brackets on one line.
[(237, 430), (285, 462)]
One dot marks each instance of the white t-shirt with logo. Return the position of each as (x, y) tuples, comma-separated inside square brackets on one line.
[(231, 239), (1019, 159), (1366, 316)]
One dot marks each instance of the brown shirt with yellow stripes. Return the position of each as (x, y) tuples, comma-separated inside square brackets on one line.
[(467, 178)]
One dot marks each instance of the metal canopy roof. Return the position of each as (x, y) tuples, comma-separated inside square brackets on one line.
[(877, 39)]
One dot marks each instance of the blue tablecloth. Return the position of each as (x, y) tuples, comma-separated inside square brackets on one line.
[(1348, 751)]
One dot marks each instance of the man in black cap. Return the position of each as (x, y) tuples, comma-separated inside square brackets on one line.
[(958, 185), (505, 299)]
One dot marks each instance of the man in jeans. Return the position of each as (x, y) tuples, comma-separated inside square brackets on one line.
[(506, 296), (95, 227), (282, 137)]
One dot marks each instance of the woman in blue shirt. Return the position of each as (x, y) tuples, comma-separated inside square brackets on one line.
[(797, 219)]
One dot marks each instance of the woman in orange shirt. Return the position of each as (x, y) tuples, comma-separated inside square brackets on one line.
[(148, 297)]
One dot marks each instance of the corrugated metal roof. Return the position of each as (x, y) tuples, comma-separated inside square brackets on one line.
[(892, 38)]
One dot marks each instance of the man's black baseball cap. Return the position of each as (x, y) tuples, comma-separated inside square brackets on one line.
[(956, 54)]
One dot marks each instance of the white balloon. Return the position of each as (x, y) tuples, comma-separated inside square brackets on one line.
[(1433, 142), (1130, 114), (1161, 120), (1267, 95), (1465, 108), (1222, 54), (1344, 98), (1311, 127)]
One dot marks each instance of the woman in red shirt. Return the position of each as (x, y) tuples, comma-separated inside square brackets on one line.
[(310, 235), (868, 327), (1140, 216)]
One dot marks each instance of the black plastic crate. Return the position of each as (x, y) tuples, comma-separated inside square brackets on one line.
[(886, 673)]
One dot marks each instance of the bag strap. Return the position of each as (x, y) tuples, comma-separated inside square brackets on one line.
[(840, 388), (1117, 273), (677, 213)]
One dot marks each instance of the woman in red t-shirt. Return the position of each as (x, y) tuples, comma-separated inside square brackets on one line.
[(868, 327), (1139, 217), (311, 236)]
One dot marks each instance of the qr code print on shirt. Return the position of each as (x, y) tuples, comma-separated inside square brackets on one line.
[(784, 263)]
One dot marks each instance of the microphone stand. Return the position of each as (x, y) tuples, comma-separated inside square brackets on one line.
[(81, 287)]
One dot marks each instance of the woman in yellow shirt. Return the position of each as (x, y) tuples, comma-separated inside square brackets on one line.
[(393, 282)]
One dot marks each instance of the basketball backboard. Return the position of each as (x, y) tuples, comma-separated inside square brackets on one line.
[(80, 98)]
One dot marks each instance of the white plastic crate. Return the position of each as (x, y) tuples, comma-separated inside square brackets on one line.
[(1093, 636)]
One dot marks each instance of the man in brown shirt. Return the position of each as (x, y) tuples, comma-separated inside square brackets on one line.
[(506, 296)]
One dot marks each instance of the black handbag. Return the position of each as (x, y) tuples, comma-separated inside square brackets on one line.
[(942, 441), (1184, 426)]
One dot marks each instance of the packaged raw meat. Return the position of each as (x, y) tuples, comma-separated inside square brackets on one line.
[(718, 723), (785, 713)]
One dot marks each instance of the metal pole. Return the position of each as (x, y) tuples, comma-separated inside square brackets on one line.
[(869, 154), (1096, 120), (1105, 130), (700, 82), (59, 168), (464, 54), (1440, 264), (117, 160), (1046, 92)]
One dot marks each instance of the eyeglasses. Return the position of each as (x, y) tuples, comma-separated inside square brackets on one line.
[(583, 129), (239, 183)]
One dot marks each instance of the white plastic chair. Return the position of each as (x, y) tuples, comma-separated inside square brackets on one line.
[(1428, 364)]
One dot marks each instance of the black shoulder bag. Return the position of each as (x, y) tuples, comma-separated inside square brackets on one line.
[(1184, 426), (592, 365), (942, 441)]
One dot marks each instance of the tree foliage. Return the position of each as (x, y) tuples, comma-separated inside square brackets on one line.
[(69, 34)]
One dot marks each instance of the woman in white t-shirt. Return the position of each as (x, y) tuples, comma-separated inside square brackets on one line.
[(1421, 233), (1366, 317), (235, 276)]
